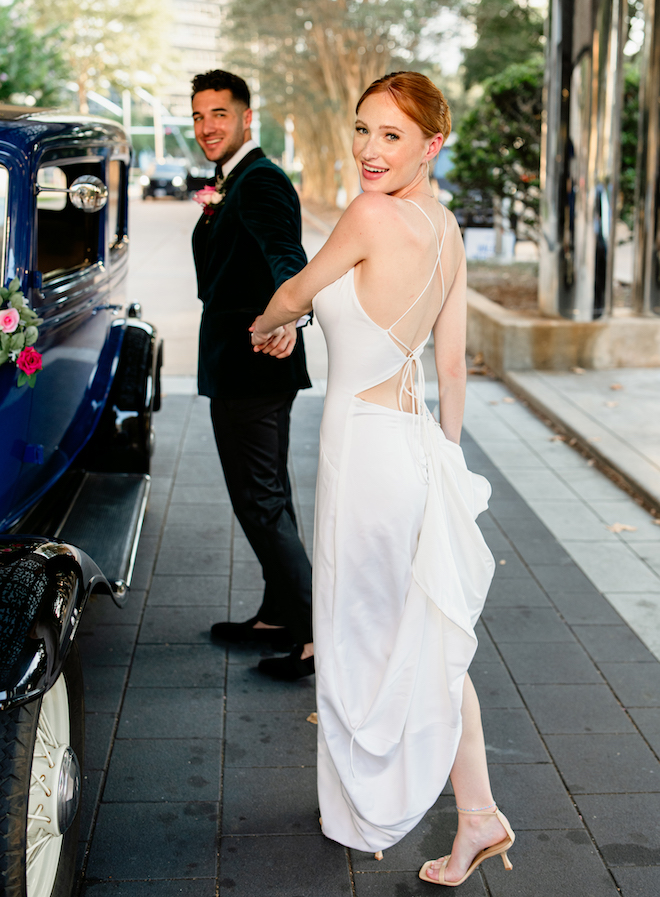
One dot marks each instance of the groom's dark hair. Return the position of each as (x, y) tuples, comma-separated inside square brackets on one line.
[(217, 79)]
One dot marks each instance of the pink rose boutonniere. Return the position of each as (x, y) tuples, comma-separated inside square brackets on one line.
[(210, 198), (19, 331)]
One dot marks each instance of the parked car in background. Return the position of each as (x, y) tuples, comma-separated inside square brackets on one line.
[(476, 210), (199, 176), (79, 381), (165, 179)]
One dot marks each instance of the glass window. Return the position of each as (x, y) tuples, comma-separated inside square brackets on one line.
[(116, 206), (51, 176), (67, 237), (4, 193)]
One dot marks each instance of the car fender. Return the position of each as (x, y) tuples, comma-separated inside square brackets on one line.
[(44, 586)]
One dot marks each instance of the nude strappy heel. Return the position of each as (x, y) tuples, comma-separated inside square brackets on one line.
[(499, 849)]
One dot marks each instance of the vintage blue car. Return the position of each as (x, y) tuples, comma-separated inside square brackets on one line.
[(79, 380)]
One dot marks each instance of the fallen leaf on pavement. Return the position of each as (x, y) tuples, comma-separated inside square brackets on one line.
[(590, 462), (578, 370), (557, 438), (509, 400), (479, 358), (313, 719), (502, 562), (611, 404), (594, 439), (493, 402), (615, 386), (621, 527), (479, 371)]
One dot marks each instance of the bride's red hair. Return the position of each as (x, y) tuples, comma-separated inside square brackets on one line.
[(418, 98)]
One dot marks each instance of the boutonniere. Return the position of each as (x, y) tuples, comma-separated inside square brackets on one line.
[(212, 198)]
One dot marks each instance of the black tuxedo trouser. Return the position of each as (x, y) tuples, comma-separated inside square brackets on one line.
[(252, 436)]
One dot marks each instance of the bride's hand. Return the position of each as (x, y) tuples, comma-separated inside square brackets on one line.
[(279, 343)]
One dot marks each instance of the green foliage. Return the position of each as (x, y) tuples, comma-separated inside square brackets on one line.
[(118, 43), (629, 140), (506, 30), (497, 151), (272, 135), (31, 64)]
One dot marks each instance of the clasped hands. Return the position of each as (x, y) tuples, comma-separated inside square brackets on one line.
[(279, 343)]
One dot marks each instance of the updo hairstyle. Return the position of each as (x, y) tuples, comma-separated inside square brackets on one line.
[(418, 98)]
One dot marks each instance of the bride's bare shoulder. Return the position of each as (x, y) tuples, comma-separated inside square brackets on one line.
[(374, 216), (370, 206)]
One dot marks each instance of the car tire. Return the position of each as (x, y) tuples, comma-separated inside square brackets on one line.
[(36, 861)]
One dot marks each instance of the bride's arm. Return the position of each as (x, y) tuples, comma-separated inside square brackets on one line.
[(350, 242), (449, 335)]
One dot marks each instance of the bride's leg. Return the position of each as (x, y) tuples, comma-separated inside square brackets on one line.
[(471, 784)]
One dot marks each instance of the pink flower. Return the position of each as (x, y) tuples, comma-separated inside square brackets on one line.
[(29, 361), (206, 195), (9, 320)]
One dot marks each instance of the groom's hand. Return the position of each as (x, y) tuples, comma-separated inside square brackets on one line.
[(281, 345)]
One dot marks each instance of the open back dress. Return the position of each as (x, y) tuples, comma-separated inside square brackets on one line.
[(401, 572)]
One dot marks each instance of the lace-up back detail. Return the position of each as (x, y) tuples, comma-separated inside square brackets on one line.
[(412, 383)]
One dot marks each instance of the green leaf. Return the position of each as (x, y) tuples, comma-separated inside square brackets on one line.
[(14, 286), (17, 300), (17, 342), (4, 340), (4, 356), (22, 378), (4, 294), (27, 314), (31, 336), (31, 380)]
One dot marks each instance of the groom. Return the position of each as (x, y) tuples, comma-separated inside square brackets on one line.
[(247, 243)]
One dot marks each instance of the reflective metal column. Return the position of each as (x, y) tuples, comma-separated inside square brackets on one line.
[(580, 157), (646, 286)]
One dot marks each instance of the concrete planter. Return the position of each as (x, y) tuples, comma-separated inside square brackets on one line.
[(524, 341)]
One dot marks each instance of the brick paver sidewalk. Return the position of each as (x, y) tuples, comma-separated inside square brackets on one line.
[(200, 772)]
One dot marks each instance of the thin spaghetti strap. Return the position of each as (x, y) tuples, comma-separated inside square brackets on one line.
[(439, 247)]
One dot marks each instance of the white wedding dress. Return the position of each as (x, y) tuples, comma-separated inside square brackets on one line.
[(401, 572)]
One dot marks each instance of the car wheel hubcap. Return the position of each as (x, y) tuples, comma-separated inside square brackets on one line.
[(54, 792)]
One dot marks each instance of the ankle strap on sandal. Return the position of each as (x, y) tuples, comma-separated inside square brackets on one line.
[(482, 811)]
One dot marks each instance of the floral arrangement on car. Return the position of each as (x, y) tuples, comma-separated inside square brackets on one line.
[(19, 331), (211, 197)]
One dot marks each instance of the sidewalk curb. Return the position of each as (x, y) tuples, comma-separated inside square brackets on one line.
[(613, 456)]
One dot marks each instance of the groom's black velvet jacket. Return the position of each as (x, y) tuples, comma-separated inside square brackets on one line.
[(243, 252)]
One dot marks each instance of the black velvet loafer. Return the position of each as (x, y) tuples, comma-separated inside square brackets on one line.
[(243, 633), (289, 668)]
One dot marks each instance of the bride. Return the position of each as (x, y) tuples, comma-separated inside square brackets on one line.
[(401, 569)]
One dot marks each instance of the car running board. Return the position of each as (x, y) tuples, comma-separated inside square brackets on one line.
[(105, 520)]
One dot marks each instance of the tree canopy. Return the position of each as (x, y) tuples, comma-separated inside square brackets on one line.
[(314, 58), (497, 151), (120, 43), (32, 67), (506, 30)]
